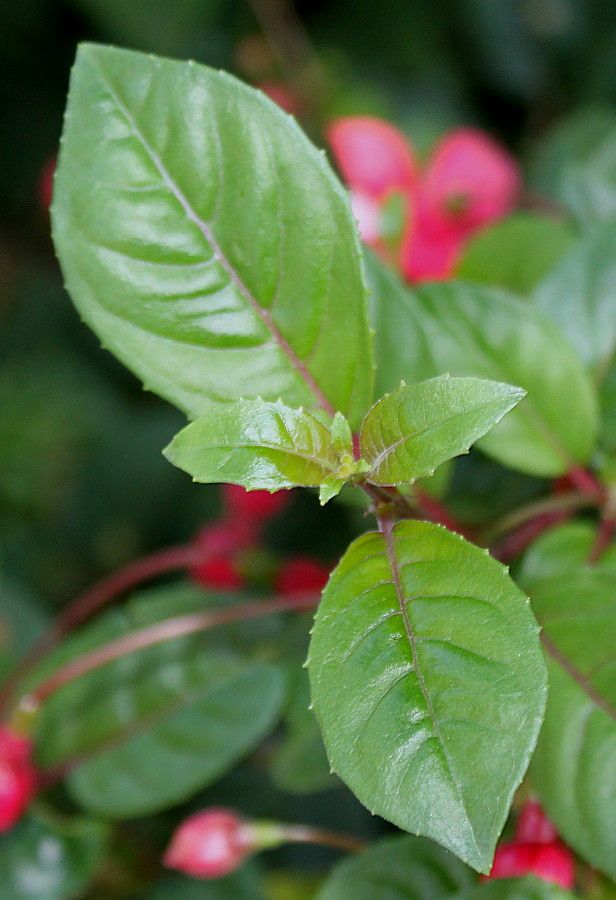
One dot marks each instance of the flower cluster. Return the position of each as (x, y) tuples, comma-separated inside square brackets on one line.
[(420, 218)]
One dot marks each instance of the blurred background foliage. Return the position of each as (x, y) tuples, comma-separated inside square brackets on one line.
[(83, 485)]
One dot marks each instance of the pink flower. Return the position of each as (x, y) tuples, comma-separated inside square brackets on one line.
[(256, 506), (299, 575), (17, 777), (549, 861), (210, 844)]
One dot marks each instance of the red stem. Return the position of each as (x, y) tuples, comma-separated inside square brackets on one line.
[(515, 543), (94, 599), (585, 481), (167, 630), (438, 512), (305, 834), (605, 535)]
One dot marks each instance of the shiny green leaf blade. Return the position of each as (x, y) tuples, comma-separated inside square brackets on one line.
[(580, 296), (574, 770), (206, 241), (401, 868), (483, 332), (258, 444), (429, 682), (50, 858), (410, 432), (157, 725)]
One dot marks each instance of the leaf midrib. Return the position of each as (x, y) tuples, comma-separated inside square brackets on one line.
[(395, 569), (208, 235)]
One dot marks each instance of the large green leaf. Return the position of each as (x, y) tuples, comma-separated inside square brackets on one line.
[(563, 549), (474, 330), (401, 868), (45, 858), (429, 683), (410, 432), (580, 296), (574, 768), (157, 725), (527, 888), (516, 253), (206, 241), (258, 444)]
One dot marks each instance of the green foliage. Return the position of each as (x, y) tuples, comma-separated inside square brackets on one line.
[(516, 253), (579, 296), (410, 432), (260, 445), (242, 885), (573, 770), (527, 888), (487, 333), (160, 723), (406, 868), (50, 858), (426, 655), (192, 274)]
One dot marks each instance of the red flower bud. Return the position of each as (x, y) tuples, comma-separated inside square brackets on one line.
[(551, 862), (45, 185), (299, 575), (470, 181), (210, 844), (534, 826), (283, 95), (252, 506), (17, 777), (216, 549), (218, 573), (374, 157)]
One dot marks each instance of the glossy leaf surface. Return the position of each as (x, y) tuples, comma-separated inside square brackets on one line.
[(258, 444), (205, 240), (429, 683), (487, 333), (157, 725), (402, 868), (50, 859), (410, 432), (580, 296), (573, 769)]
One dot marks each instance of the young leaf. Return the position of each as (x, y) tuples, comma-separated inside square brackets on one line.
[(258, 444), (197, 705), (573, 770), (429, 684), (401, 868), (580, 296), (487, 333), (51, 858), (410, 432), (206, 241)]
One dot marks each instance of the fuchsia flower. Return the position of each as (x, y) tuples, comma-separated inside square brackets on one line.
[(257, 506), (468, 182), (17, 777), (535, 850), (301, 574), (210, 844)]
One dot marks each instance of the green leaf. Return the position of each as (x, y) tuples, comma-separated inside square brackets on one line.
[(159, 724), (563, 549), (527, 888), (576, 164), (258, 444), (573, 769), (206, 241), (516, 253), (410, 432), (429, 684), (487, 333), (580, 296), (50, 858), (401, 868)]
